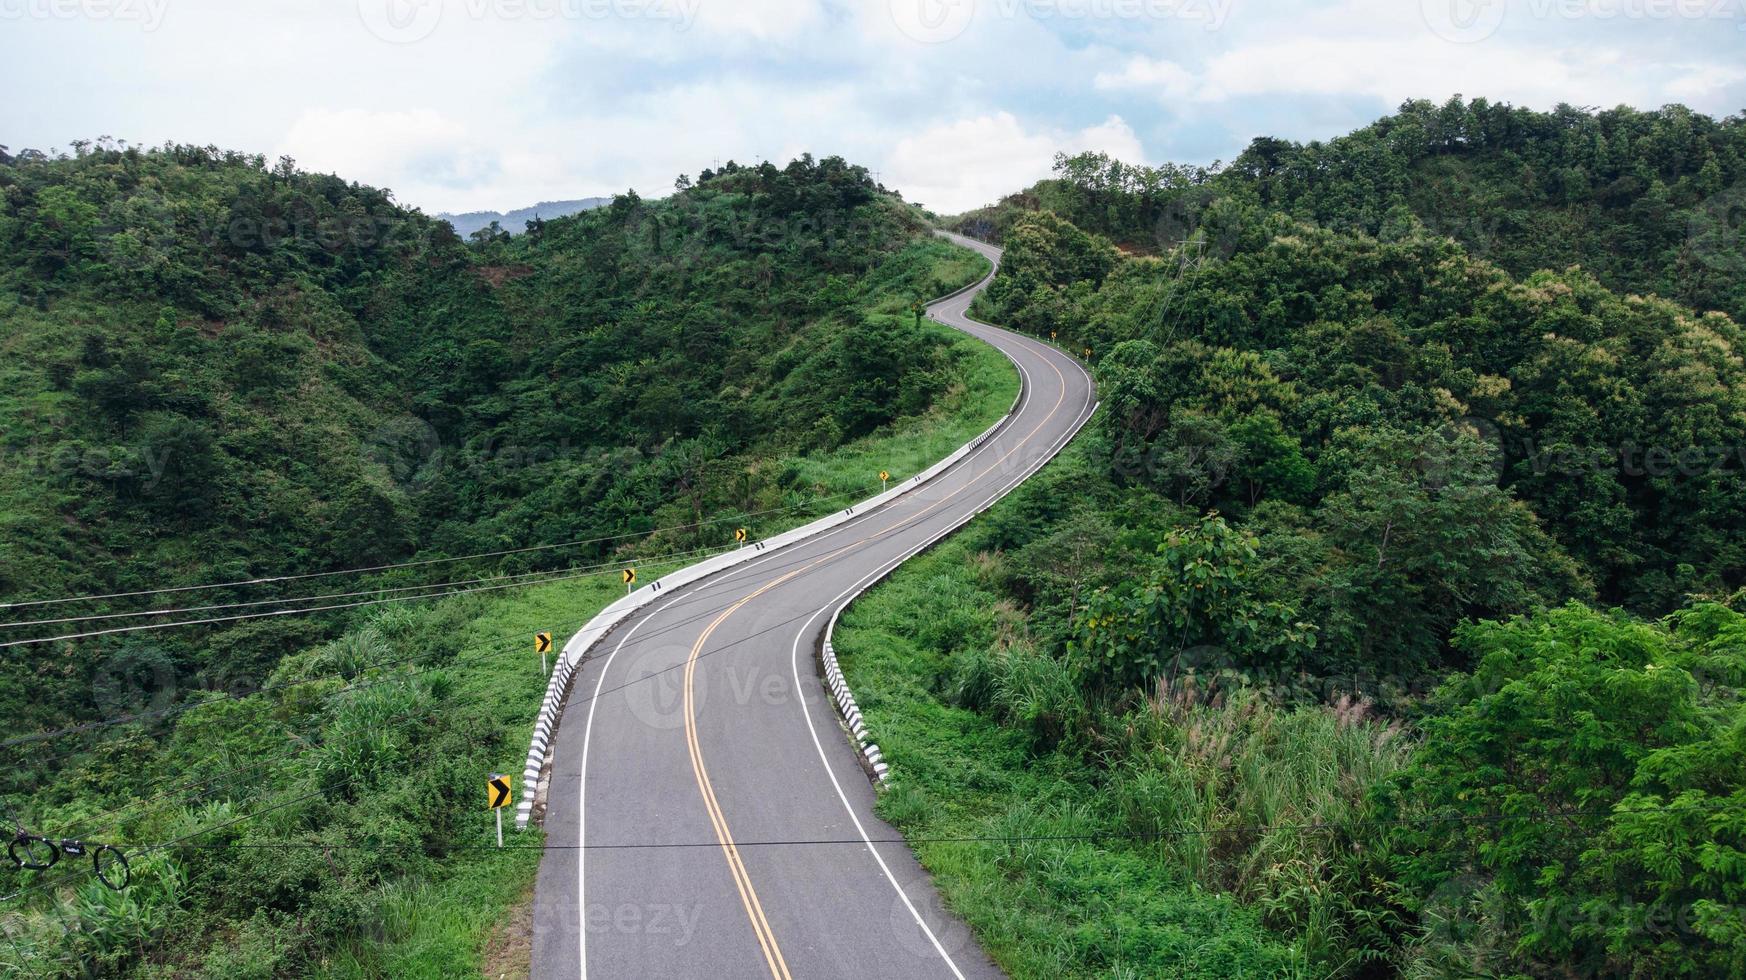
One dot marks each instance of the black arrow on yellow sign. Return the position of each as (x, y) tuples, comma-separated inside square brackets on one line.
[(630, 576), (542, 643), (740, 535), (498, 788)]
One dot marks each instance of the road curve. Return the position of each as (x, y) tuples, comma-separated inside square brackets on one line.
[(706, 813)]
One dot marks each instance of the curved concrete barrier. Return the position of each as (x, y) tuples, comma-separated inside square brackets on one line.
[(589, 636)]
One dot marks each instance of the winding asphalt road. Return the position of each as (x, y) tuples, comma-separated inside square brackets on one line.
[(707, 815)]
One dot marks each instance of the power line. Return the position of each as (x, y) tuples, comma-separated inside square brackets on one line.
[(304, 576), (1176, 282), (99, 617), (396, 678), (183, 842), (1493, 818), (701, 596), (305, 747), (81, 868), (492, 647), (214, 620), (553, 577)]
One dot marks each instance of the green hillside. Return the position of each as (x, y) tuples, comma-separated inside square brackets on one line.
[(354, 386), (1388, 619), (218, 370), (1646, 201)]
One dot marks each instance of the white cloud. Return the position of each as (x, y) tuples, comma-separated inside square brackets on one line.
[(1395, 69), (1698, 83), (1387, 51), (1113, 136), (1427, 67), (959, 165), (348, 141), (428, 158), (442, 162), (759, 20), (1166, 79), (499, 108)]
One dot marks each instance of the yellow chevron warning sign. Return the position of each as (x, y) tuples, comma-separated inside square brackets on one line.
[(497, 791), (543, 642)]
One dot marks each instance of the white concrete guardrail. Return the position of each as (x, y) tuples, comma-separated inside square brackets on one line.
[(841, 694), (576, 650)]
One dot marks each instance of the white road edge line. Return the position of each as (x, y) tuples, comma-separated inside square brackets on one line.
[(542, 749), (581, 803), (854, 590), (654, 609)]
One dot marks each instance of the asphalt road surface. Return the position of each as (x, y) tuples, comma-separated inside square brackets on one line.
[(707, 815)]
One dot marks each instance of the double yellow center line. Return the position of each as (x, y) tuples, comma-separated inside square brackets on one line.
[(742, 880), (736, 867)]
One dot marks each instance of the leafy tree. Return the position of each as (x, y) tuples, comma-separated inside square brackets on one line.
[(1574, 803), (1272, 460), (1424, 538), (1201, 606)]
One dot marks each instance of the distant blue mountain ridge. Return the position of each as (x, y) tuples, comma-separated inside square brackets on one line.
[(515, 222)]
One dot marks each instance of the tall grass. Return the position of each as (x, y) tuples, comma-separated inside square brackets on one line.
[(1022, 839), (1265, 802), (1184, 834)]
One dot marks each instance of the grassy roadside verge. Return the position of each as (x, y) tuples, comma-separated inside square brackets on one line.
[(982, 386), (481, 904), (982, 391), (480, 908), (388, 732), (1065, 906)]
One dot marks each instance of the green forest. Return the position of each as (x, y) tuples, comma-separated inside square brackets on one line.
[(1388, 621), (221, 371)]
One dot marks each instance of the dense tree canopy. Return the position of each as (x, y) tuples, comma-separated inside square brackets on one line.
[(1397, 587), (1422, 436), (220, 369), (1647, 202)]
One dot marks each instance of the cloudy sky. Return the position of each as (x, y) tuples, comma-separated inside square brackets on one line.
[(475, 104)]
